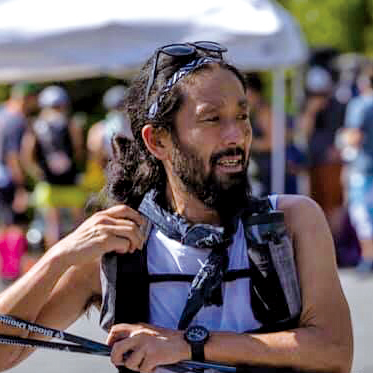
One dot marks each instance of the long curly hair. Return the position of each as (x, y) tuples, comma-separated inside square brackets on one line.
[(133, 170)]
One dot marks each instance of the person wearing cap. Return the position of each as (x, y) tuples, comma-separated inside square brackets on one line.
[(115, 122), (321, 117), (51, 149), (100, 136)]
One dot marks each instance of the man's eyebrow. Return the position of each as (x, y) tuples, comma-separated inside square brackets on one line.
[(209, 107)]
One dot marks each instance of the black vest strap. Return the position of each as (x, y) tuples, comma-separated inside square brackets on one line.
[(231, 275), (132, 303), (268, 302)]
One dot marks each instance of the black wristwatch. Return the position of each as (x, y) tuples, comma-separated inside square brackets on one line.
[(197, 336)]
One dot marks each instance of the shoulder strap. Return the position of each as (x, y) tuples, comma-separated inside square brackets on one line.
[(132, 300), (274, 282), (125, 287)]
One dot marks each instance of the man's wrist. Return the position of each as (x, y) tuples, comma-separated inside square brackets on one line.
[(196, 336), (187, 349), (60, 254)]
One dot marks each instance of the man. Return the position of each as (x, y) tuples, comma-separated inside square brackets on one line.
[(319, 121), (261, 123), (52, 149), (100, 135), (186, 172), (355, 140), (14, 115)]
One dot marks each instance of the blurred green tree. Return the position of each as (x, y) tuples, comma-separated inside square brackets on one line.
[(4, 93), (345, 25)]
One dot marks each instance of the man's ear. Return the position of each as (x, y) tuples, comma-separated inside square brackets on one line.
[(155, 140)]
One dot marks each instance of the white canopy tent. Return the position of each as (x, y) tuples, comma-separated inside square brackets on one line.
[(46, 40)]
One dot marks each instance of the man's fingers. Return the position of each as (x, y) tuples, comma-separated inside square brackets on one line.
[(135, 359), (129, 227), (125, 232), (118, 332), (121, 348), (147, 366), (125, 212)]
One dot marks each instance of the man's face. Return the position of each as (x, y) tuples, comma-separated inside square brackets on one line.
[(212, 139)]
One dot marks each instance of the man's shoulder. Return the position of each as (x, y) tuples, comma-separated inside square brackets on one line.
[(296, 203), (298, 208)]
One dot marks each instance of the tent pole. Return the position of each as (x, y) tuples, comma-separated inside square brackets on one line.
[(278, 132)]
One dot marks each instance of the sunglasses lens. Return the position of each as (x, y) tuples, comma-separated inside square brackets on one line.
[(178, 50), (210, 46)]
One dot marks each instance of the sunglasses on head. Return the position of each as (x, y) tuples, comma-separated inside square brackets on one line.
[(182, 50)]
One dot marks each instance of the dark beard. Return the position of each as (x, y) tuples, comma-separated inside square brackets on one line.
[(225, 196)]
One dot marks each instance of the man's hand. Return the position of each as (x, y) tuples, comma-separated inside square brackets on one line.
[(119, 228), (149, 346)]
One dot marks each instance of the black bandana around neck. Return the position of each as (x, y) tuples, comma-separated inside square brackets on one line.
[(205, 289)]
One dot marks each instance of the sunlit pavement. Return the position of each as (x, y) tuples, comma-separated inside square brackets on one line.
[(358, 290)]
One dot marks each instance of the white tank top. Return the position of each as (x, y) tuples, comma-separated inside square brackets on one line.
[(167, 299)]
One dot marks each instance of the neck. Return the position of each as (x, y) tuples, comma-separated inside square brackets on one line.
[(189, 206)]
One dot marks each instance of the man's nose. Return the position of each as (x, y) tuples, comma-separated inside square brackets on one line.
[(233, 132)]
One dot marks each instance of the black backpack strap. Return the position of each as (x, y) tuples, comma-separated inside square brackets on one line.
[(231, 275), (132, 300), (275, 293)]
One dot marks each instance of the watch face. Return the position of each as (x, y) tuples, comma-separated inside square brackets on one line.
[(197, 334)]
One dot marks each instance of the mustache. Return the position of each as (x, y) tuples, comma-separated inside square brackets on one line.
[(231, 152)]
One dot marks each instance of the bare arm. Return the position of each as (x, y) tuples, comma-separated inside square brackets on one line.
[(323, 341), (27, 299), (56, 289), (63, 306)]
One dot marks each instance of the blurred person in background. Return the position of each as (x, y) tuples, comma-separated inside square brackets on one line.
[(51, 150), (14, 117), (318, 123), (355, 141), (261, 122), (100, 135)]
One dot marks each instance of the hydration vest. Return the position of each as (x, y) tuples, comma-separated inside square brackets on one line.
[(54, 148), (274, 286)]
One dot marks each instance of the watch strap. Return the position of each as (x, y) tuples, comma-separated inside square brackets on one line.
[(198, 351)]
